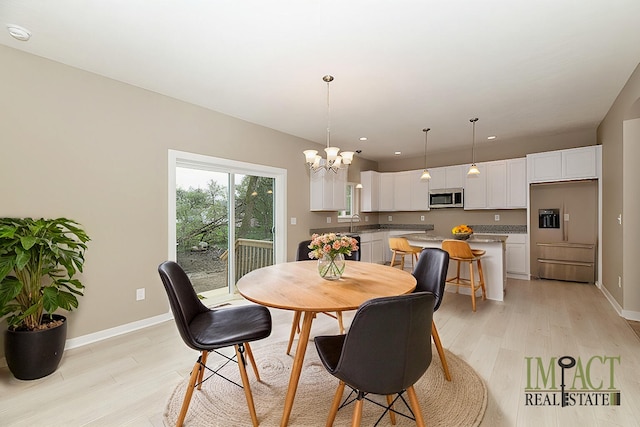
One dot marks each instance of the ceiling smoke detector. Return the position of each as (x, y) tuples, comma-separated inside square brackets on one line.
[(19, 33)]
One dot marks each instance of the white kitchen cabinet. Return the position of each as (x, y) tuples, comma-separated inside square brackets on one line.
[(517, 256), (561, 165), (419, 192), (402, 191), (386, 194), (371, 247), (579, 163), (447, 177), (501, 184), (475, 189), (496, 184), (370, 193), (328, 190), (517, 186)]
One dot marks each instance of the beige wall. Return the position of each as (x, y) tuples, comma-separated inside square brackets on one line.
[(621, 177), (79, 145)]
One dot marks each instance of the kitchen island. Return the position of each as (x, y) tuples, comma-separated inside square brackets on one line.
[(493, 262)]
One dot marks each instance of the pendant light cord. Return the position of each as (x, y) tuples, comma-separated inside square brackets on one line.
[(473, 141), (426, 131), (328, 79)]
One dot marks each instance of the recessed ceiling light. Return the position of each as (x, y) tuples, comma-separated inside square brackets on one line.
[(491, 137), (363, 138), (19, 33), (397, 153)]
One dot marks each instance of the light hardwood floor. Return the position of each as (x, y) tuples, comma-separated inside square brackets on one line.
[(125, 381)]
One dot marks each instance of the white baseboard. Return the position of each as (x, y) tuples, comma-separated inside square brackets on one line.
[(626, 314), (118, 330)]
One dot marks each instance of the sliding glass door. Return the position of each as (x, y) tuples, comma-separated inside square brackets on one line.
[(225, 217)]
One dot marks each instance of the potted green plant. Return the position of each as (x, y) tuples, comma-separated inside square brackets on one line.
[(38, 261)]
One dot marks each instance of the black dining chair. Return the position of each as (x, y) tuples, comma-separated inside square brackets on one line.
[(302, 254), (381, 356), (431, 276), (205, 330)]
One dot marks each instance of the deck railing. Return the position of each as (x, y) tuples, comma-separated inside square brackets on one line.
[(250, 255)]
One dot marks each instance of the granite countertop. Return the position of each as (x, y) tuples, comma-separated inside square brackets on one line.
[(478, 238)]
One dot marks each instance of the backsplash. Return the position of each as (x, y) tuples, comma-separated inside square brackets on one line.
[(499, 229), (373, 227)]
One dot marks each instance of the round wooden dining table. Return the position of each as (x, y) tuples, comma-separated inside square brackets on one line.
[(297, 286)]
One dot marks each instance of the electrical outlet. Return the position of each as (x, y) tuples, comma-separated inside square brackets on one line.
[(328, 220), (294, 220), (619, 281), (366, 218), (139, 294), (496, 217), (421, 217), (389, 218)]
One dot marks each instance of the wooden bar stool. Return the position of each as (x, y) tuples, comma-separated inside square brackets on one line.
[(401, 247), (460, 251)]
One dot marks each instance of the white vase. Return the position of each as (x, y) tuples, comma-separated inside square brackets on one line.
[(331, 267)]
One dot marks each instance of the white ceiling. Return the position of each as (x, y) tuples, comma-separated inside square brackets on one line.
[(523, 67)]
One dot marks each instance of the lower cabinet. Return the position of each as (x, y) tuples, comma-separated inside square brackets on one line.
[(517, 255), (371, 247)]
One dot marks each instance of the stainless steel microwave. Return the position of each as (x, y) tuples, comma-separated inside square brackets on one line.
[(446, 198)]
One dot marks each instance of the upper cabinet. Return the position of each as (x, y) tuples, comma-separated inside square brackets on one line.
[(328, 190), (394, 191), (562, 165), (419, 192), (475, 189), (369, 194), (501, 184), (517, 186), (447, 177)]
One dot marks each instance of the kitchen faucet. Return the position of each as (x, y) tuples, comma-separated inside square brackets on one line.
[(351, 223)]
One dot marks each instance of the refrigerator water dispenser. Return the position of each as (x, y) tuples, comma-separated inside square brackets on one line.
[(548, 218)]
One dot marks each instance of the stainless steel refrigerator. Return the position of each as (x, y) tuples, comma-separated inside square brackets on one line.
[(564, 230)]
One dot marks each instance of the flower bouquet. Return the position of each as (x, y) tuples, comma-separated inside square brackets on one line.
[(330, 250), (461, 232)]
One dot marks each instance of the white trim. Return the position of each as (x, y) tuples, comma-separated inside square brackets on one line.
[(118, 330)]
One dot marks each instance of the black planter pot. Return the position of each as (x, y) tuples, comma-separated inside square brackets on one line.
[(35, 354)]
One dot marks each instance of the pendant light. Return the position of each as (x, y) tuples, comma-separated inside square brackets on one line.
[(335, 159), (473, 169), (426, 176)]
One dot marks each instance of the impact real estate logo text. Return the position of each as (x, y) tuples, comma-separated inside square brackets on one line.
[(583, 382)]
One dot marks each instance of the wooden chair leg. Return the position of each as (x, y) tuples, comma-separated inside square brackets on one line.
[(335, 404), (294, 326), (393, 258), (204, 354), (473, 287), (392, 415), (443, 359), (458, 276), (357, 413), (195, 373), (481, 276), (252, 360), (415, 406), (247, 387), (340, 323)]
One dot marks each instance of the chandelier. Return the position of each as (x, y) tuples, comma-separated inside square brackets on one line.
[(473, 169), (426, 176), (335, 159)]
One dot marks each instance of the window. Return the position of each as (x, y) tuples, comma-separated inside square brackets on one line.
[(353, 205)]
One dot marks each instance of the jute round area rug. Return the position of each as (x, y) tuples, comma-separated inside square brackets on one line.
[(461, 402)]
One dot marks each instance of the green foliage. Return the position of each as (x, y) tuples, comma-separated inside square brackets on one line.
[(43, 255), (203, 215)]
